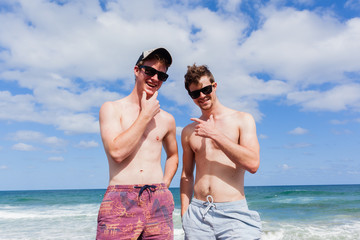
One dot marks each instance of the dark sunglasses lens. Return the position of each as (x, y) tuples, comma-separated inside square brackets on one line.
[(162, 76), (194, 94), (151, 72), (205, 90)]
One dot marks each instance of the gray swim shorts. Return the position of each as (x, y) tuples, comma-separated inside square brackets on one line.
[(226, 220)]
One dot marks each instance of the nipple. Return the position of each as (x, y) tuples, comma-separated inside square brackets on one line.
[(157, 138)]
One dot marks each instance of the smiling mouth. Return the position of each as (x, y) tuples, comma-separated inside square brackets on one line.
[(202, 101), (151, 85)]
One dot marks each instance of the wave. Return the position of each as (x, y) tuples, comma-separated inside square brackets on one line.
[(314, 230)]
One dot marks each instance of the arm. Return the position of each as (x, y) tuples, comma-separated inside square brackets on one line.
[(119, 143), (246, 152), (171, 149), (187, 175)]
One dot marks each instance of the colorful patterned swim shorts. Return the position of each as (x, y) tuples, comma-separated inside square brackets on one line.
[(136, 212)]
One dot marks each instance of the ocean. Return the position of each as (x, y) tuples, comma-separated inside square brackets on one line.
[(287, 213)]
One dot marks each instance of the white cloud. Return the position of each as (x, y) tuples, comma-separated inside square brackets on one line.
[(339, 98), (338, 122), (342, 132), (303, 47), (87, 144), (56, 159), (298, 131), (285, 167), (65, 55), (23, 147), (352, 4), (38, 137), (26, 135), (3, 167), (263, 136)]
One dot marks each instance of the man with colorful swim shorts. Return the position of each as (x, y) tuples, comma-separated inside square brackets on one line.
[(137, 203), (222, 144)]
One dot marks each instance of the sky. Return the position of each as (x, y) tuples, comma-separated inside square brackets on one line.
[(294, 65)]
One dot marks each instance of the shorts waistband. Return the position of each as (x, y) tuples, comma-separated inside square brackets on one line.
[(221, 205), (158, 186)]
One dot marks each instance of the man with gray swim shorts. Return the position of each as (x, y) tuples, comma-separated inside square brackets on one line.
[(222, 144)]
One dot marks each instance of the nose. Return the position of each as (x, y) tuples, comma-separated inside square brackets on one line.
[(202, 95), (155, 78)]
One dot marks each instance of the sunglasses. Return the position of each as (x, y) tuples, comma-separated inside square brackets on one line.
[(152, 71), (205, 90)]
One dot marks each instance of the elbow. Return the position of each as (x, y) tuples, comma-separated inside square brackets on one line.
[(253, 170), (116, 155), (254, 167)]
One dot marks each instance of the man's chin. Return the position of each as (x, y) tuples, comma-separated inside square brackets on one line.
[(150, 92)]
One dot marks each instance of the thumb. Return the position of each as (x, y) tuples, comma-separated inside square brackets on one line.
[(211, 118), (155, 95)]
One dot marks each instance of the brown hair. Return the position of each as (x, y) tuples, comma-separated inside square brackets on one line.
[(194, 73)]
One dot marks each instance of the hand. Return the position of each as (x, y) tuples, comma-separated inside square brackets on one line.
[(204, 128), (150, 107)]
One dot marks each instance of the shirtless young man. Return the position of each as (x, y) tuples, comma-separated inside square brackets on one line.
[(138, 203), (222, 143)]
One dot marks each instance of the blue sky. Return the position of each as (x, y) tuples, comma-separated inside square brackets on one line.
[(294, 65)]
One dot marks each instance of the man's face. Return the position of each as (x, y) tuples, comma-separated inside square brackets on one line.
[(149, 84), (204, 93)]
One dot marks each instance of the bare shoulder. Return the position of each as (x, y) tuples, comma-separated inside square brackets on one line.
[(166, 116), (109, 106), (245, 120), (111, 109), (188, 129), (244, 116)]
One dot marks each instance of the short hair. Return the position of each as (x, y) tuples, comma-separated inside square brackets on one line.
[(194, 73)]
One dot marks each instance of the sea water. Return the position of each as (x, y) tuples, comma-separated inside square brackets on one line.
[(287, 212)]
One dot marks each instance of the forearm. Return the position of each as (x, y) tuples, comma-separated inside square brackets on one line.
[(245, 157), (126, 142), (171, 166), (186, 192)]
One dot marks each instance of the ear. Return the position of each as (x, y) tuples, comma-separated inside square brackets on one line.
[(215, 85), (136, 70)]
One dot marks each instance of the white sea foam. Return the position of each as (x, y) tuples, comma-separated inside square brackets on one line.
[(79, 222), (312, 230), (44, 212), (57, 222)]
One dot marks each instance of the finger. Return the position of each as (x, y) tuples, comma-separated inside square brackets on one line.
[(196, 120)]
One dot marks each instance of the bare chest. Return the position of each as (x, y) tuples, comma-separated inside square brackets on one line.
[(201, 145), (155, 130)]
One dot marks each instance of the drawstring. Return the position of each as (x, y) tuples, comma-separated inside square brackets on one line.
[(210, 204), (152, 188)]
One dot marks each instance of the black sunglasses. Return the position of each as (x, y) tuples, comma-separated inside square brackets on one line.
[(205, 90), (152, 71)]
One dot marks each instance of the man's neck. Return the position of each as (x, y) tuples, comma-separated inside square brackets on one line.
[(215, 110)]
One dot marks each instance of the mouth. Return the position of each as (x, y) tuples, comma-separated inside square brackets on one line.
[(204, 100), (151, 85)]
